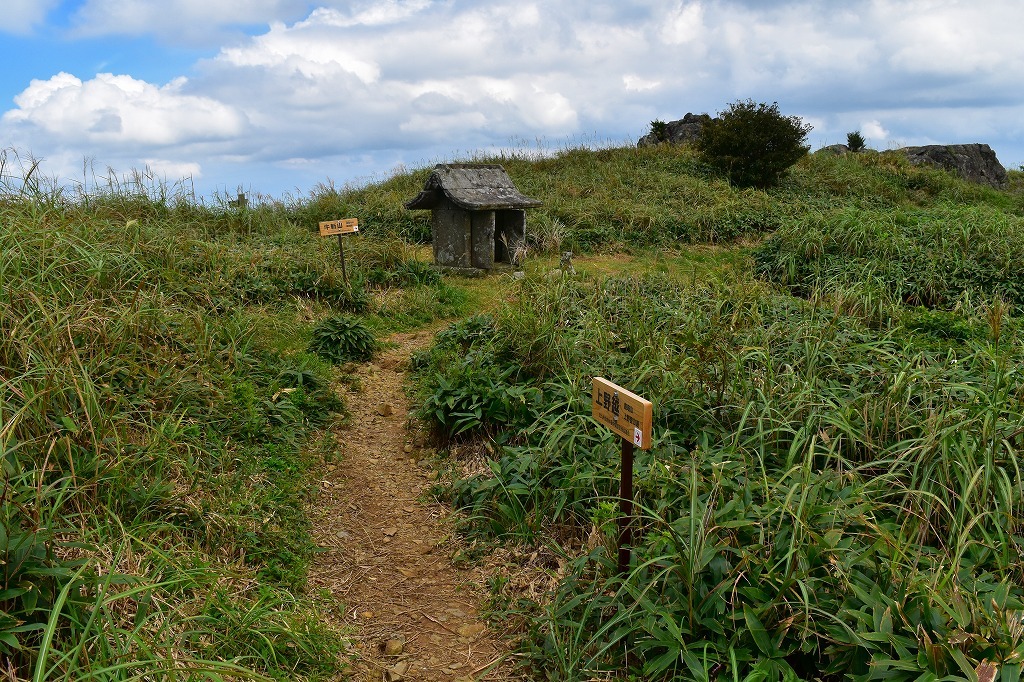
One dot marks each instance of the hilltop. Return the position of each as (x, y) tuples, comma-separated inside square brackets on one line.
[(833, 362)]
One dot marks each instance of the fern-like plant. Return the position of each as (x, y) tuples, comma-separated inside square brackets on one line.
[(343, 338)]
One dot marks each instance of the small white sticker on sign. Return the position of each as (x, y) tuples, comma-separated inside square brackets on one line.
[(638, 437)]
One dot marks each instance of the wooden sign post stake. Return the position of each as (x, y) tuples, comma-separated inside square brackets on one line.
[(629, 416), (625, 506), (340, 228)]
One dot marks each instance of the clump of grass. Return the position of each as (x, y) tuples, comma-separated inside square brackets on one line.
[(343, 338)]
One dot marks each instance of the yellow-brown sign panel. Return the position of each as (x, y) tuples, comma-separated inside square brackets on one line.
[(329, 228), (625, 413)]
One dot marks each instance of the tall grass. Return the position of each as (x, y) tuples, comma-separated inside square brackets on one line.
[(825, 498), (933, 257), (834, 486), (160, 421)]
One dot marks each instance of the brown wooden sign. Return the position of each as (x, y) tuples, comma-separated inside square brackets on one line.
[(625, 413), (629, 416), (329, 228)]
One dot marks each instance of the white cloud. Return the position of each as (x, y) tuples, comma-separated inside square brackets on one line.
[(949, 38), (200, 21), (21, 16), (174, 170), (684, 24), (873, 130), (379, 13), (350, 81), (638, 83), (320, 54), (337, 73), (120, 111)]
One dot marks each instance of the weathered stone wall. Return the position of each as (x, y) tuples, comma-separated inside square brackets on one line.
[(483, 239), (452, 230)]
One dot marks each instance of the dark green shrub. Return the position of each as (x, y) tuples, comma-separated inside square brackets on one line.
[(855, 141), (475, 395), (466, 389), (753, 144), (343, 338), (660, 130)]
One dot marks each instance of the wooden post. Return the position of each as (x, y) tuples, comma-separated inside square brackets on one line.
[(626, 507), (341, 250)]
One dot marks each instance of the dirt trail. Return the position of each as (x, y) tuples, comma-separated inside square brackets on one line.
[(387, 553)]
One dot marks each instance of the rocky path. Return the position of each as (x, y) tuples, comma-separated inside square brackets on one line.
[(387, 547)]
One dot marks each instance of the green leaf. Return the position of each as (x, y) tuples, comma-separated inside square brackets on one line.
[(758, 632)]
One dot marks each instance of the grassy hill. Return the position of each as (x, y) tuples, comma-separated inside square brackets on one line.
[(834, 488)]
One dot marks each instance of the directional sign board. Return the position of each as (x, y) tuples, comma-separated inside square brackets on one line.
[(625, 413), (329, 228)]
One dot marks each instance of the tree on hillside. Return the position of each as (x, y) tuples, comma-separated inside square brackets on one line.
[(753, 143)]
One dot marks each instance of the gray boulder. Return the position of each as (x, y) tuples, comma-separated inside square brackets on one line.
[(834, 150), (684, 131), (973, 162)]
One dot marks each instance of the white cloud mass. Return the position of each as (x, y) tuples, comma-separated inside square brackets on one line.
[(21, 16), (347, 85), (122, 111)]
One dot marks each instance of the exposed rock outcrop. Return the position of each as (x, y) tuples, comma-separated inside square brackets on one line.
[(973, 162), (684, 131), (834, 150)]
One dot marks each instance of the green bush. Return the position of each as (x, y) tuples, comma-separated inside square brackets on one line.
[(753, 144), (660, 130), (465, 390), (343, 338), (855, 141)]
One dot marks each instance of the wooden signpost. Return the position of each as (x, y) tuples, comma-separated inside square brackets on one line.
[(629, 416), (329, 228)]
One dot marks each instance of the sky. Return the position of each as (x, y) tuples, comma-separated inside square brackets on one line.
[(279, 96)]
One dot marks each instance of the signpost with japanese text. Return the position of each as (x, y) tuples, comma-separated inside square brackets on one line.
[(630, 417), (329, 228)]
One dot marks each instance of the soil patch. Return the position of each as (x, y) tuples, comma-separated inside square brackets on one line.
[(387, 546)]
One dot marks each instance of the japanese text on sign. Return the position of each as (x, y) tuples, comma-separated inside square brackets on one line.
[(329, 228), (625, 413)]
